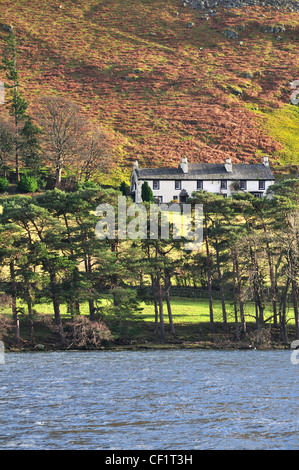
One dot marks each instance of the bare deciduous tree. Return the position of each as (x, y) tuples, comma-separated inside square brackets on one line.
[(70, 139), (96, 156), (64, 129)]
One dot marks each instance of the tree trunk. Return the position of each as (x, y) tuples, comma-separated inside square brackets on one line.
[(295, 305), (88, 270), (167, 298), (58, 177), (272, 277), (283, 312), (162, 328), (209, 283), (224, 315), (91, 310), (15, 317), (155, 304), (235, 304), (239, 284), (56, 303), (258, 299), (30, 315), (16, 120), (17, 162)]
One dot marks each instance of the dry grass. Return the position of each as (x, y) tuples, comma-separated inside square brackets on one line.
[(164, 89)]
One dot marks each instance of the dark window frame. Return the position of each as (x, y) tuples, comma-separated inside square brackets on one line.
[(223, 184), (156, 182), (199, 185), (179, 183), (243, 185), (262, 185)]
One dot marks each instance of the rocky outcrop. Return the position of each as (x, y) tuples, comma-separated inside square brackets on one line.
[(274, 29), (291, 5), (231, 34)]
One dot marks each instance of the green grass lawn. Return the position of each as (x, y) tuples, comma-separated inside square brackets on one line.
[(191, 320), (184, 310)]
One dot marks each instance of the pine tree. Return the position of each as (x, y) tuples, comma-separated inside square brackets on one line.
[(25, 131), (146, 193)]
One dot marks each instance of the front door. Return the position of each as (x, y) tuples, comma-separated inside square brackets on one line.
[(183, 196)]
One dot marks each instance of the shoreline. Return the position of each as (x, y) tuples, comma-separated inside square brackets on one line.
[(154, 347), (187, 337)]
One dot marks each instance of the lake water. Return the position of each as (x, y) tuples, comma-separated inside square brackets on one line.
[(184, 399)]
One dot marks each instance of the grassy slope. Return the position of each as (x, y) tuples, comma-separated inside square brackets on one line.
[(165, 89), (185, 310), (191, 320)]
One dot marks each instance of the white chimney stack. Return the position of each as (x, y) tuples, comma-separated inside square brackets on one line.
[(135, 164), (184, 165), (266, 161), (228, 165)]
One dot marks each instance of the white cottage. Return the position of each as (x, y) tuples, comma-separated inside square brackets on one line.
[(177, 184)]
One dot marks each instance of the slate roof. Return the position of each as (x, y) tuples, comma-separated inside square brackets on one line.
[(208, 171)]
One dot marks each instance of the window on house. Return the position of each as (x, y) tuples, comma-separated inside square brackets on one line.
[(243, 184), (223, 184), (262, 184), (175, 198), (156, 184), (177, 185), (199, 184)]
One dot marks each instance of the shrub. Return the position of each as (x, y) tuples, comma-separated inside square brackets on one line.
[(88, 334), (27, 184), (124, 188), (4, 183), (146, 192)]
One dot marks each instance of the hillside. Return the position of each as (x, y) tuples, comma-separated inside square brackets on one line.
[(168, 78)]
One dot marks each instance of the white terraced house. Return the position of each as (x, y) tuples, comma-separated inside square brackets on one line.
[(177, 184)]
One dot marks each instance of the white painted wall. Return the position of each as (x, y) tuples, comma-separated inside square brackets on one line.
[(167, 187)]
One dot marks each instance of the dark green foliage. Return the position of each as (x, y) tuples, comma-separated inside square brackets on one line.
[(124, 188), (30, 146), (146, 193), (25, 131), (4, 184), (250, 254), (27, 184)]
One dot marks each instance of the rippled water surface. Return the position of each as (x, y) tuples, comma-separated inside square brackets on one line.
[(149, 400)]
